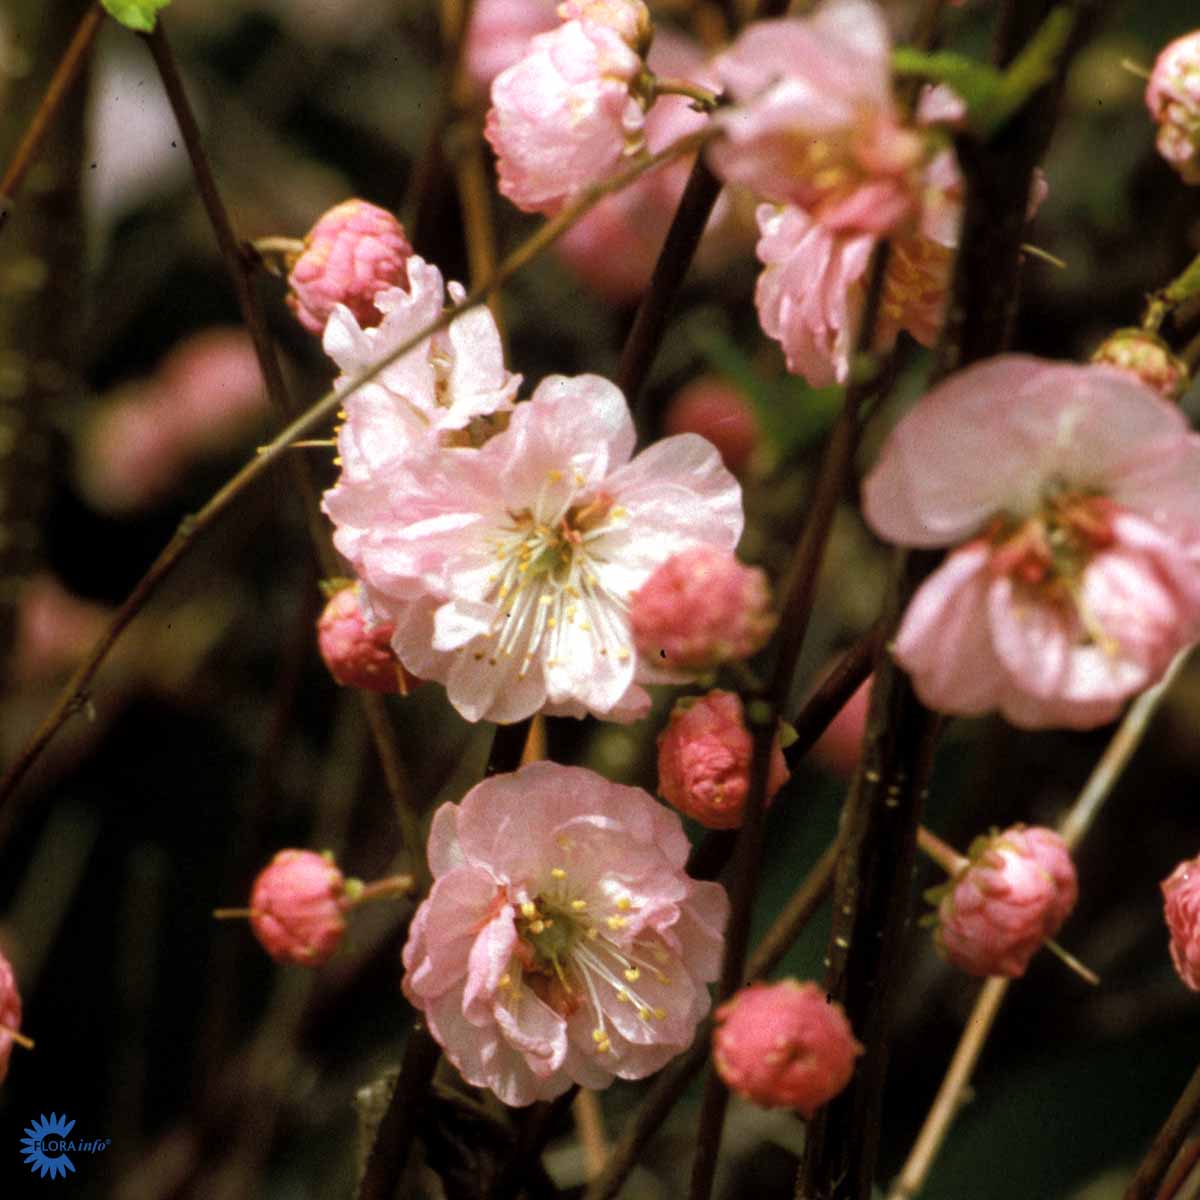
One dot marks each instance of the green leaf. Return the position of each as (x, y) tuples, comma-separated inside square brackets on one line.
[(976, 82), (135, 14)]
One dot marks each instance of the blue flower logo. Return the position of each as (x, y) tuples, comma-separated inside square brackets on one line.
[(42, 1144)]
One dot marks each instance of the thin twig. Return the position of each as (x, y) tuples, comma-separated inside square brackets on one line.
[(670, 1085), (589, 1123), (1157, 1163), (73, 697), (1073, 826), (61, 82), (1181, 1170)]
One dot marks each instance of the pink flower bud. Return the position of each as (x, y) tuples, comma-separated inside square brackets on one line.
[(358, 652), (564, 116), (1173, 98), (1147, 357), (354, 252), (784, 1045), (1016, 892), (1181, 906), (704, 760), (718, 411), (840, 747), (297, 907), (10, 1013), (630, 18), (699, 609)]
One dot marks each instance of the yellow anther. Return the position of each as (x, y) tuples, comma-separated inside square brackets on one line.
[(592, 934), (632, 974), (545, 599), (624, 904), (554, 475), (598, 1035), (622, 996), (505, 980), (528, 909), (660, 1014), (538, 926), (557, 873), (616, 922), (579, 905), (644, 1013)]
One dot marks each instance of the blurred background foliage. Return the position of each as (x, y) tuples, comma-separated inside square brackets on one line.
[(214, 735)]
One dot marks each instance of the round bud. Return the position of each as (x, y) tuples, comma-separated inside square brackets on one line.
[(704, 757), (1146, 356), (719, 412), (1015, 892), (297, 907), (358, 653), (699, 609), (784, 1045), (1173, 98), (351, 254), (1181, 907)]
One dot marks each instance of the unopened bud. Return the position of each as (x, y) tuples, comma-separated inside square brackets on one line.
[(1173, 98), (1148, 357), (1181, 907), (297, 907), (358, 652)]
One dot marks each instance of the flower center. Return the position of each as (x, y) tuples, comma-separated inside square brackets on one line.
[(572, 947), (546, 579), (1050, 549)]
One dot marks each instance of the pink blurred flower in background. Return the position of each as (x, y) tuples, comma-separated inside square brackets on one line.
[(720, 412), (839, 748), (813, 122), (704, 757), (1181, 908), (700, 609), (1071, 497), (564, 116), (1016, 892), (1173, 98), (55, 629), (499, 34), (784, 1045), (353, 252), (562, 941), (508, 569), (10, 1014)]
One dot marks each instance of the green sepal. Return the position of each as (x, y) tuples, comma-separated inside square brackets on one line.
[(138, 15)]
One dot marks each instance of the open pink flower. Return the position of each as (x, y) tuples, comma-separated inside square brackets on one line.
[(428, 396), (508, 569), (813, 122), (562, 941), (1072, 495), (1173, 98), (564, 116)]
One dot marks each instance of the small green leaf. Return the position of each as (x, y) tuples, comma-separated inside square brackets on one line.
[(976, 82), (135, 14)]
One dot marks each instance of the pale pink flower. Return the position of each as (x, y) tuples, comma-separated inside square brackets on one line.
[(704, 757), (499, 34), (630, 18), (1017, 890), (720, 412), (813, 122), (1173, 98), (613, 247), (55, 629), (1148, 358), (428, 396), (1072, 495), (10, 1013), (784, 1045), (839, 748), (701, 608), (508, 569), (1181, 907), (562, 941), (565, 115), (297, 907), (354, 251), (357, 650)]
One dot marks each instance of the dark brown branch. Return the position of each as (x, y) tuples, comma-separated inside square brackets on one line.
[(1157, 1163)]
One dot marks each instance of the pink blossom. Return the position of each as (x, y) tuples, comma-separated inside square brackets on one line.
[(1072, 496), (10, 1013), (1148, 358), (508, 569), (564, 116), (55, 629), (630, 18), (499, 33), (429, 396), (1016, 892), (357, 650), (701, 608), (353, 252), (613, 248), (297, 907), (839, 748), (719, 412), (1173, 98), (784, 1045), (813, 122), (704, 757), (562, 941), (1181, 907)]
